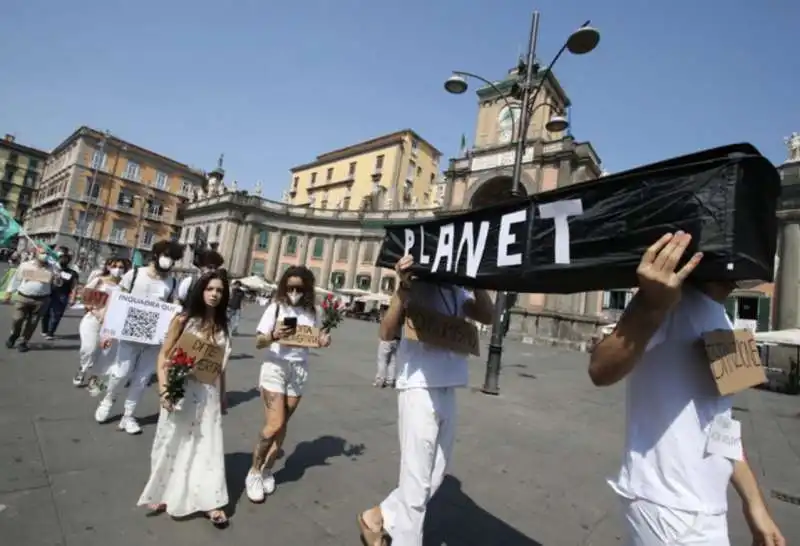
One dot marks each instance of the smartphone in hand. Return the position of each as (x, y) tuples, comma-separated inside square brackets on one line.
[(290, 322)]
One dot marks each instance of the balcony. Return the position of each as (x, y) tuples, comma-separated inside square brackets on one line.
[(117, 238)]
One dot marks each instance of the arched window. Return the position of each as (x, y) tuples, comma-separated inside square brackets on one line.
[(337, 279), (363, 281)]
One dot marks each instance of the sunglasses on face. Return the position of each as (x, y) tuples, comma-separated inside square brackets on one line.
[(295, 288)]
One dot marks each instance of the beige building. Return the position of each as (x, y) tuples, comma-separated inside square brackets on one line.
[(21, 172), (103, 196), (395, 171)]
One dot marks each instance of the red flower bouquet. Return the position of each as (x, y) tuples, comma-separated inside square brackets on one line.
[(332, 313), (178, 370)]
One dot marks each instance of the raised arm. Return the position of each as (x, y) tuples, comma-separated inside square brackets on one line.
[(392, 321)]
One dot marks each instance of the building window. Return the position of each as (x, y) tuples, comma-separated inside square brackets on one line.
[(337, 279), (324, 203), (319, 248), (30, 179), (419, 171), (329, 175), (343, 251), (387, 284), (414, 146), (147, 238), (351, 170), (379, 163), (412, 168), (218, 231), (313, 179), (99, 160), (124, 199), (258, 267), (155, 208), (118, 233), (33, 164), (291, 246), (161, 180), (263, 240), (132, 171), (367, 256), (363, 281), (92, 191), (295, 182), (187, 188), (346, 203)]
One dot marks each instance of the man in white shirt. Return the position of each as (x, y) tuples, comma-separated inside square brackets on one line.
[(673, 480), (31, 287), (427, 378), (137, 361)]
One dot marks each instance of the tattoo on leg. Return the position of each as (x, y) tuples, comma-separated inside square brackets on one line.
[(269, 399), (260, 453)]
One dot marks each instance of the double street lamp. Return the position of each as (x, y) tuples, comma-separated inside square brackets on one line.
[(580, 42)]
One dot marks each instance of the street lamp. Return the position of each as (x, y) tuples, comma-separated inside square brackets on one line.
[(86, 225), (580, 42)]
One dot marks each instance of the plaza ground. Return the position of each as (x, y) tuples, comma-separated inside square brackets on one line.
[(529, 465)]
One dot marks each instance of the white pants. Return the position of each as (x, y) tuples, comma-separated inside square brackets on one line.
[(89, 331), (650, 524), (427, 425), (137, 362)]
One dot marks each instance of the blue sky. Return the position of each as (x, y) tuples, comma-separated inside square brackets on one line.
[(274, 83)]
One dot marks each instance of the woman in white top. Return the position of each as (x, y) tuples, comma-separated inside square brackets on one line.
[(108, 282), (187, 462), (284, 371)]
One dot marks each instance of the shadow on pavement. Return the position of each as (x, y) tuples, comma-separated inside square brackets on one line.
[(315, 453), (240, 397), (48, 346), (455, 519), (240, 356)]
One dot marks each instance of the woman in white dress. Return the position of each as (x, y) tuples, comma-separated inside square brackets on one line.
[(187, 462), (89, 329), (283, 373)]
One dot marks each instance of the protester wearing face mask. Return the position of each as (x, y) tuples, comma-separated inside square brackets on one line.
[(674, 478), (89, 329), (30, 288), (208, 261), (62, 294), (284, 371), (137, 361)]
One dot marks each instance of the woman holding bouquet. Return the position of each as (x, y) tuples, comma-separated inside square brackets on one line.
[(89, 329), (187, 462), (284, 371)]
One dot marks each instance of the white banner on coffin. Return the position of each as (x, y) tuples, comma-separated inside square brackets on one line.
[(136, 319)]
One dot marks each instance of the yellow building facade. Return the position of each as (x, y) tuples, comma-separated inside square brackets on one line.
[(102, 196), (21, 170), (395, 171)]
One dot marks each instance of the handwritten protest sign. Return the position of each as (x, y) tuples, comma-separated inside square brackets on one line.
[(734, 360), (208, 357), (451, 333), (303, 336), (94, 298), (36, 275), (137, 319)]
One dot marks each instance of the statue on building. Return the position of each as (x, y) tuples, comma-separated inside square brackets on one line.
[(234, 186), (793, 144), (257, 190), (219, 162)]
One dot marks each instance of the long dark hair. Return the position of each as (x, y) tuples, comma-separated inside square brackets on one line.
[(196, 304), (308, 301)]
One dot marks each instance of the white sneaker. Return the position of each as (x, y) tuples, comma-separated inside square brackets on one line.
[(254, 485), (269, 482), (130, 425), (103, 411)]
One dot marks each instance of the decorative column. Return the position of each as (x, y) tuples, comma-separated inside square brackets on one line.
[(243, 251), (564, 173), (352, 267), (327, 262), (305, 241), (274, 255), (375, 280), (788, 282), (592, 303)]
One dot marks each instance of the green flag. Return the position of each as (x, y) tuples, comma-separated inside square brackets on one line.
[(9, 228), (137, 260)]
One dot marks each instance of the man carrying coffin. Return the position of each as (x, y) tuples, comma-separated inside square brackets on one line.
[(427, 377), (137, 361), (675, 472)]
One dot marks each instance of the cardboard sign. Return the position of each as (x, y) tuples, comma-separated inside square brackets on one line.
[(208, 357), (94, 298), (451, 333), (137, 319), (36, 275), (304, 336), (734, 360)]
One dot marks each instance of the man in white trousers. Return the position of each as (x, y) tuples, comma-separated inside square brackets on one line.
[(427, 379), (675, 472), (136, 362)]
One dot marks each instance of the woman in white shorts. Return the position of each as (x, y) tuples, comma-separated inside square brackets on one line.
[(284, 371)]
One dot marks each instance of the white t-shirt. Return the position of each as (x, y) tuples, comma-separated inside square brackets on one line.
[(420, 365), (266, 325), (183, 288), (671, 403), (147, 286)]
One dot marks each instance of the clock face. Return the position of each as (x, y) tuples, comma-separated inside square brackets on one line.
[(506, 121)]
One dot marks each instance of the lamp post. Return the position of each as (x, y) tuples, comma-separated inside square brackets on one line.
[(582, 41), (86, 224), (139, 223)]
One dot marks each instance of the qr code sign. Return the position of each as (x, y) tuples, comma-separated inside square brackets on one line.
[(140, 324)]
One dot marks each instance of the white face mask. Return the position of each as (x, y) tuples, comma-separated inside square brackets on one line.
[(115, 272), (165, 263), (294, 297)]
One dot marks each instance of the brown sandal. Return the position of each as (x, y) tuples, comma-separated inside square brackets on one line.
[(370, 537), (218, 518)]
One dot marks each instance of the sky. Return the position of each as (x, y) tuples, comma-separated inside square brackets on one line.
[(273, 83)]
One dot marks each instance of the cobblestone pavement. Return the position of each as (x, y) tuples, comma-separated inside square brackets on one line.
[(529, 465)]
